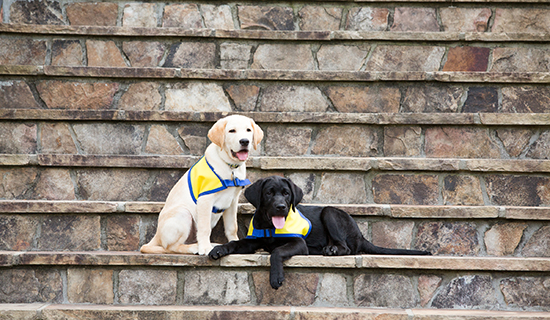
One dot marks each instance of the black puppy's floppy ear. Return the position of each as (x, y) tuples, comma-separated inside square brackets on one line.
[(254, 193), (296, 193)]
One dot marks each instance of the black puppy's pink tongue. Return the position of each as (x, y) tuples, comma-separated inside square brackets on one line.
[(242, 155), (278, 222)]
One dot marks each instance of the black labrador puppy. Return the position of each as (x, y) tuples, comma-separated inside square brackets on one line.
[(285, 229)]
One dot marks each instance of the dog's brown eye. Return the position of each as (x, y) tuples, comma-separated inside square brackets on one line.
[(248, 130), (232, 131)]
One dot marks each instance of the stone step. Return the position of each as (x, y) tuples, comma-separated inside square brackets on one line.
[(130, 278), (48, 311)]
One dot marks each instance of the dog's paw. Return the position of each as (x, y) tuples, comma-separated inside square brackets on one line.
[(276, 282), (217, 252), (330, 251), (204, 249)]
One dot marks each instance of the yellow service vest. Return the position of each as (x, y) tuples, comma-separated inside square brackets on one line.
[(203, 180), (296, 225)]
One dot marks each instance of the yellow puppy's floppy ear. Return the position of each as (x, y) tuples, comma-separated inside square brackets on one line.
[(216, 134), (258, 134)]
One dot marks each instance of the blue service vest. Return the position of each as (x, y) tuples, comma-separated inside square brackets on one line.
[(203, 180), (296, 225)]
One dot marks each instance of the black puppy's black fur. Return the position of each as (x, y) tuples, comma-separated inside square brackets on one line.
[(333, 231)]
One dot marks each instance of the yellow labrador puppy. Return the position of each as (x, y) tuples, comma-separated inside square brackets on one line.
[(208, 190)]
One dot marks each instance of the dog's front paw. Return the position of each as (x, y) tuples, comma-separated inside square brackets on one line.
[(330, 251), (204, 249), (276, 282), (218, 252)]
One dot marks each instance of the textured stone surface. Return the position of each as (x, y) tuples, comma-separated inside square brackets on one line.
[(55, 184), (415, 19), (36, 12), (539, 244), (460, 142), (392, 234), (405, 189), (462, 190), (298, 289), (160, 141), (266, 18), (526, 291), (18, 137), (70, 232), (319, 18), (22, 52), (104, 184), (465, 19), (333, 183), (244, 96), (185, 15), (521, 20), (217, 16), (365, 99), (216, 287), (540, 149), (472, 291), (235, 55), (17, 232), (526, 99), (16, 182), (16, 95), (427, 286), (332, 290), (149, 287), (384, 290), (402, 141), (293, 98), (481, 99), (513, 190), (194, 138), (432, 99), (104, 54), (141, 96), (92, 14), (341, 57), (297, 140), (90, 286), (161, 186), (67, 53), (415, 58), (29, 286), (520, 60), (503, 238), (196, 96), (77, 95), (334, 140), (367, 19), (144, 53), (447, 238), (122, 232), (283, 57), (200, 55), (467, 59), (139, 15), (515, 141), (97, 138)]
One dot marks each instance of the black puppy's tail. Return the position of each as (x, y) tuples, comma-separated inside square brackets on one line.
[(369, 248)]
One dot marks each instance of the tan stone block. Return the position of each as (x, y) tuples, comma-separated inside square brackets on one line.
[(319, 18), (244, 96), (30, 286), (235, 55), (141, 15), (144, 53), (526, 99), (465, 19), (122, 232), (90, 286), (283, 57), (415, 19), (465, 142), (149, 287), (503, 238), (335, 140), (367, 19), (526, 291), (182, 16), (160, 141), (22, 51), (516, 190), (384, 290), (18, 231), (216, 287), (539, 244), (427, 285), (432, 99), (196, 96), (406, 189), (402, 141), (16, 95), (104, 54), (55, 184), (341, 58), (266, 18), (36, 12), (414, 58), (462, 190), (293, 99), (67, 53), (141, 96), (92, 14), (56, 138), (15, 182), (522, 20), (467, 292), (109, 138), (297, 141), (194, 138), (77, 95), (514, 140), (18, 137), (520, 60), (299, 289), (451, 238), (196, 55), (333, 290), (341, 188), (70, 232), (540, 149), (392, 234), (217, 16), (115, 185), (365, 99)]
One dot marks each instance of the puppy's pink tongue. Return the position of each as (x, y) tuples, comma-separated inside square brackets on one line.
[(242, 155), (278, 222)]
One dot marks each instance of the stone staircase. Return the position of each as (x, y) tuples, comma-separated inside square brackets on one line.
[(427, 121)]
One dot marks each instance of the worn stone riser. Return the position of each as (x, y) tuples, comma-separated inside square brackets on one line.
[(250, 286)]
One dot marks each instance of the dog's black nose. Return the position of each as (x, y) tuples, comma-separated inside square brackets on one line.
[(280, 207), (244, 142)]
